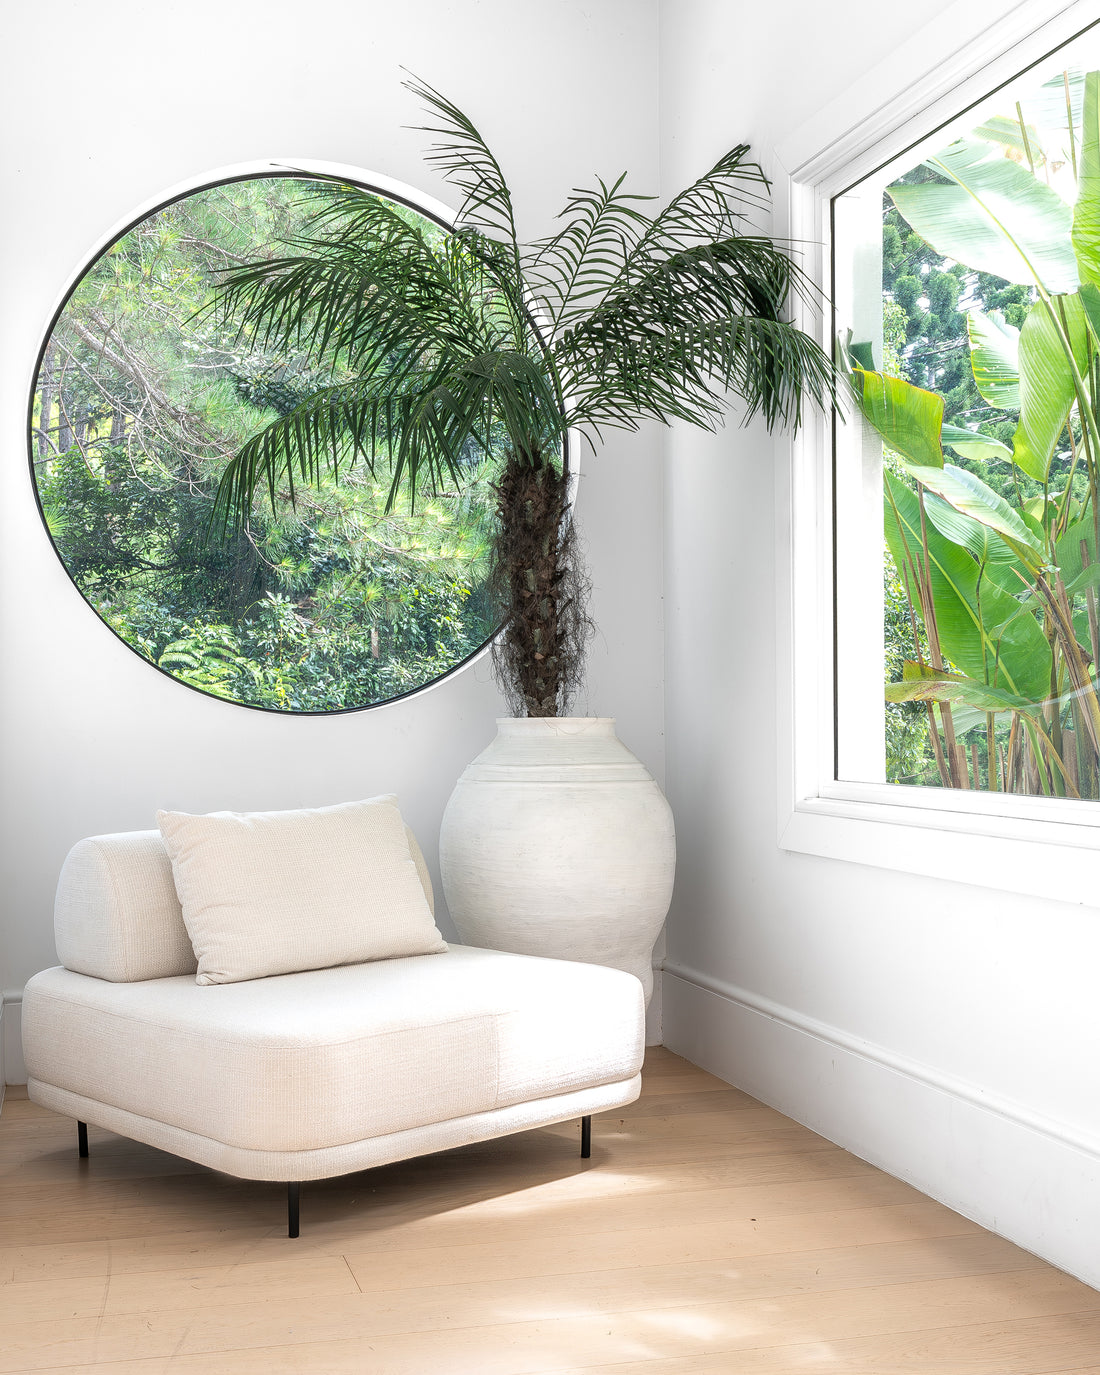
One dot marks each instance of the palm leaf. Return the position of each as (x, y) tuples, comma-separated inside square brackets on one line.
[(384, 289), (433, 340), (574, 269), (466, 162), (699, 322), (713, 207), (770, 364)]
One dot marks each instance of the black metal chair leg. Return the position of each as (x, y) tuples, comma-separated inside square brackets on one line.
[(82, 1139), (293, 1196), (586, 1137)]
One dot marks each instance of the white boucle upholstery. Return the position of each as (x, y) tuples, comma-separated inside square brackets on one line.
[(326, 1161), (306, 1075), (268, 893), (322, 1058), (117, 915)]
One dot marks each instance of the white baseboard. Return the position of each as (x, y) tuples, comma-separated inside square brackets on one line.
[(1025, 1177), (11, 1039)]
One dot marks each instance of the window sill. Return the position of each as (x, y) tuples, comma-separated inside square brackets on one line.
[(1056, 859)]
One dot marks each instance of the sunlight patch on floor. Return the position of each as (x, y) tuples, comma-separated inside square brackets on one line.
[(697, 1325), (556, 1193)]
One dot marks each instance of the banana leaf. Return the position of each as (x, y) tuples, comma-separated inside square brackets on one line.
[(1017, 660), (1086, 212), (907, 418), (993, 216), (927, 686), (1046, 107), (983, 543), (1089, 297), (1088, 579), (995, 358), (1005, 131), (970, 495), (972, 444), (1047, 391), (1067, 550)]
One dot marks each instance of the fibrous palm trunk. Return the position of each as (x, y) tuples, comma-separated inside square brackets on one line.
[(539, 653)]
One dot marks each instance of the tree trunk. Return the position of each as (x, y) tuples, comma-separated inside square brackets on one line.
[(539, 653), (45, 402), (64, 428)]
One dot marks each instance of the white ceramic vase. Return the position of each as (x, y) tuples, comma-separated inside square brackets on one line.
[(558, 842)]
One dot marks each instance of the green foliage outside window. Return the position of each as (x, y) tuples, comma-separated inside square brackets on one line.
[(323, 603), (987, 401)]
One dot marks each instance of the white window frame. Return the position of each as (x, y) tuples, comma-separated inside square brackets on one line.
[(1048, 848)]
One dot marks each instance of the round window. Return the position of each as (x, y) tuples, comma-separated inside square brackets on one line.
[(331, 595)]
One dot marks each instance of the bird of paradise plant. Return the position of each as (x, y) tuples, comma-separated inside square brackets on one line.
[(1005, 588)]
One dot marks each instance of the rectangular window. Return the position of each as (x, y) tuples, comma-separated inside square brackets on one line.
[(966, 294)]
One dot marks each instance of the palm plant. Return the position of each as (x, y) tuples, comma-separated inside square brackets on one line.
[(436, 342)]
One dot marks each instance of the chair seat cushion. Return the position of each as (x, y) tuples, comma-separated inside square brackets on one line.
[(326, 1057)]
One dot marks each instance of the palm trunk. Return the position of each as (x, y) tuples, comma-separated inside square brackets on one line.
[(539, 653)]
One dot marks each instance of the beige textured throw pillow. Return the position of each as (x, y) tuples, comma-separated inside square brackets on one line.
[(275, 892)]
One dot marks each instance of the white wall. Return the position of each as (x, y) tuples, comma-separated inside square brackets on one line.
[(947, 1032), (104, 107)]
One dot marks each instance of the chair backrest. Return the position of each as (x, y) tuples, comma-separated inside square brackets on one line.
[(117, 916)]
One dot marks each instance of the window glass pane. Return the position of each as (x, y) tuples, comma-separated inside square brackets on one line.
[(967, 292), (143, 394)]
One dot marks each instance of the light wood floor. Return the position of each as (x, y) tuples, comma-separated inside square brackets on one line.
[(707, 1233)]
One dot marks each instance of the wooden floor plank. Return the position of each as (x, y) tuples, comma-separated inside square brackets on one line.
[(418, 1336), (750, 1272), (707, 1233), (1036, 1346)]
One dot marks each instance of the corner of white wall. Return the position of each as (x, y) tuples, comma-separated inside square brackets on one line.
[(1032, 1180)]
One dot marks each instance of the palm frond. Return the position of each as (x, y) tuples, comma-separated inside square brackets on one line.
[(384, 289), (522, 396), (414, 421), (404, 427), (701, 321), (301, 446), (502, 289), (771, 365), (433, 339), (714, 206), (573, 269), (466, 162), (713, 209)]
